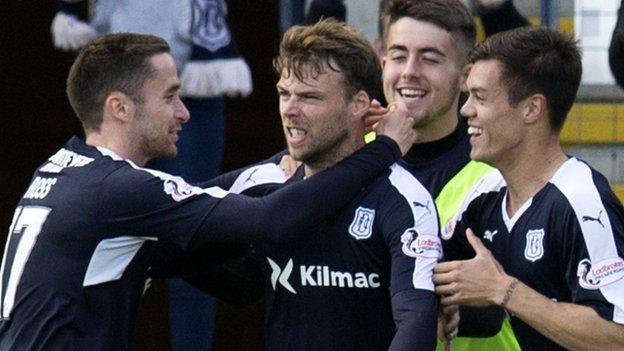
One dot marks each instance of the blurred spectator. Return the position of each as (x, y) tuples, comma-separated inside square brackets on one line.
[(499, 15), (616, 49), (325, 9)]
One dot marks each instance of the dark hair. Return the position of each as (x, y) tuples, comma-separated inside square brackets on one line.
[(305, 49), (536, 60), (115, 62), (450, 15)]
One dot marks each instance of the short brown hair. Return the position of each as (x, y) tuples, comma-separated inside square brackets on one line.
[(115, 62), (450, 15), (305, 49), (536, 60)]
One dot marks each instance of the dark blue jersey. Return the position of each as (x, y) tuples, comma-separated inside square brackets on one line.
[(566, 242), (435, 163), (360, 280), (86, 230)]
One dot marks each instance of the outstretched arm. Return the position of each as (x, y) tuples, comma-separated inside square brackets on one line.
[(293, 210), (241, 219)]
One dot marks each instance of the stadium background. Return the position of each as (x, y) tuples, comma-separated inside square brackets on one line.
[(37, 119)]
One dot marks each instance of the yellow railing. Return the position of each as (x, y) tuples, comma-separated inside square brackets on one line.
[(619, 191), (594, 123), (565, 24)]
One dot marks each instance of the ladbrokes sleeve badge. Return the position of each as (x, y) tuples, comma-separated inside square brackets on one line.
[(595, 276), (423, 246)]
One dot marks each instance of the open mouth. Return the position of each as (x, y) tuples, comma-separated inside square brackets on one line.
[(296, 134), (475, 131), (411, 93)]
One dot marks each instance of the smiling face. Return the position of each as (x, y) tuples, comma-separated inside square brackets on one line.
[(496, 128), (160, 113), (422, 68), (319, 124)]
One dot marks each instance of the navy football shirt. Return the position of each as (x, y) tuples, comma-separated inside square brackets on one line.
[(566, 242), (360, 280)]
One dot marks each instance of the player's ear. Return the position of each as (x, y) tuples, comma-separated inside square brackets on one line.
[(378, 45), (361, 103), (463, 78), (535, 108), (119, 106)]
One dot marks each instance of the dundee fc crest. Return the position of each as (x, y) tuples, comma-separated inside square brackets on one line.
[(534, 249), (362, 225)]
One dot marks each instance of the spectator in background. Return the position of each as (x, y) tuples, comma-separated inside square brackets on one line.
[(499, 16), (321, 9), (616, 48), (207, 55)]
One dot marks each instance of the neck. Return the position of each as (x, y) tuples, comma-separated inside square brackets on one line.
[(333, 156), (528, 174), (439, 127), (119, 145)]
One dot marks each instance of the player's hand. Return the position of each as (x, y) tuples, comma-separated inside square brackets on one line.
[(374, 115), (478, 282), (448, 325), (398, 125), (289, 165)]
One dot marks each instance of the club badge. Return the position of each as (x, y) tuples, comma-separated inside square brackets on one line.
[(534, 249), (362, 225)]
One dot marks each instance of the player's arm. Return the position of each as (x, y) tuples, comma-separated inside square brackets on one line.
[(474, 321), (304, 204), (237, 281), (411, 230), (291, 211), (230, 273), (167, 209), (260, 175), (574, 326), (482, 281), (415, 316), (156, 206), (170, 260), (594, 272)]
